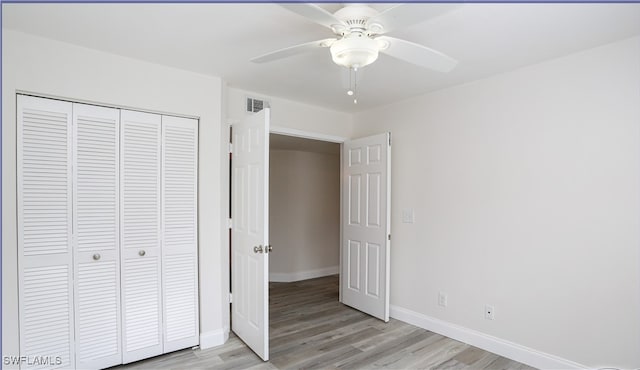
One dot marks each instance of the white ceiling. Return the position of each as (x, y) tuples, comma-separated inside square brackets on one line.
[(219, 39)]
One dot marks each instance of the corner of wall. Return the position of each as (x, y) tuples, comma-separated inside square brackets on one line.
[(214, 338)]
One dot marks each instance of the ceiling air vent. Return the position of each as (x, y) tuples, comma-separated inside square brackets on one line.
[(256, 105)]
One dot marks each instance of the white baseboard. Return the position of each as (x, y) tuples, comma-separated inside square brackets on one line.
[(214, 338), (487, 342), (279, 277)]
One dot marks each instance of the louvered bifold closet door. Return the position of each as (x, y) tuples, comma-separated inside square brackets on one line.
[(180, 235), (44, 196), (97, 262), (140, 234)]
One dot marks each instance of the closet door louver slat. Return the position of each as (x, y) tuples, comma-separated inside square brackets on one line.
[(179, 225), (45, 232), (97, 262), (140, 235)]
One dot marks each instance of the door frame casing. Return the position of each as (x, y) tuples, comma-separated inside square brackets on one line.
[(307, 134)]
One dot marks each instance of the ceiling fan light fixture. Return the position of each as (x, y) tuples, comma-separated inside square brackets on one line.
[(354, 52)]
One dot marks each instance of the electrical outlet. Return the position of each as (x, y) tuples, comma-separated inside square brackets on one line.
[(442, 299), (489, 312)]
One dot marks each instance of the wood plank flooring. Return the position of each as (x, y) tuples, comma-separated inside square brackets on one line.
[(310, 329)]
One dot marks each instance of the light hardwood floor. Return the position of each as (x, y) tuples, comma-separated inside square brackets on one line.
[(310, 329)]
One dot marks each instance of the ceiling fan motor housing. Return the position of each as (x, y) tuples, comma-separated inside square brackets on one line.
[(356, 15)]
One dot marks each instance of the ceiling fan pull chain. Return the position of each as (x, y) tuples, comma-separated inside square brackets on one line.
[(350, 88), (355, 85)]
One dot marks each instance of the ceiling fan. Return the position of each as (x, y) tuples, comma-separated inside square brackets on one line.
[(358, 36)]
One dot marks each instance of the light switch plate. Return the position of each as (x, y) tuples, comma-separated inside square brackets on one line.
[(408, 216)]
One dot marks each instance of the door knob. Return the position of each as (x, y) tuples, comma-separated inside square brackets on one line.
[(96, 256), (142, 253), (257, 249)]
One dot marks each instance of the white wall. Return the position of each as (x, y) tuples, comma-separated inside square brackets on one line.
[(304, 214), (525, 188), (293, 115), (57, 69)]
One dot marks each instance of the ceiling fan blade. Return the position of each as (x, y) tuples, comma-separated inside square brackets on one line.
[(417, 54), (314, 13), (293, 50), (403, 15)]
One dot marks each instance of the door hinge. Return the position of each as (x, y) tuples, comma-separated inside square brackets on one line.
[(230, 148), (389, 139), (389, 236), (230, 223), (230, 298)]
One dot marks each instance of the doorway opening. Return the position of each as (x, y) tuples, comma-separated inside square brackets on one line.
[(304, 208), (304, 230), (364, 225)]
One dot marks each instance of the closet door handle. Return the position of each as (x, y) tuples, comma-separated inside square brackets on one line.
[(142, 253), (96, 256)]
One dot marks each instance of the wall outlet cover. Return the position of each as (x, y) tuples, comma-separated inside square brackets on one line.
[(442, 299), (489, 312)]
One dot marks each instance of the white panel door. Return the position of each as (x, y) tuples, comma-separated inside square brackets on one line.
[(366, 224), (250, 232), (96, 242), (140, 235), (180, 232), (44, 200)]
